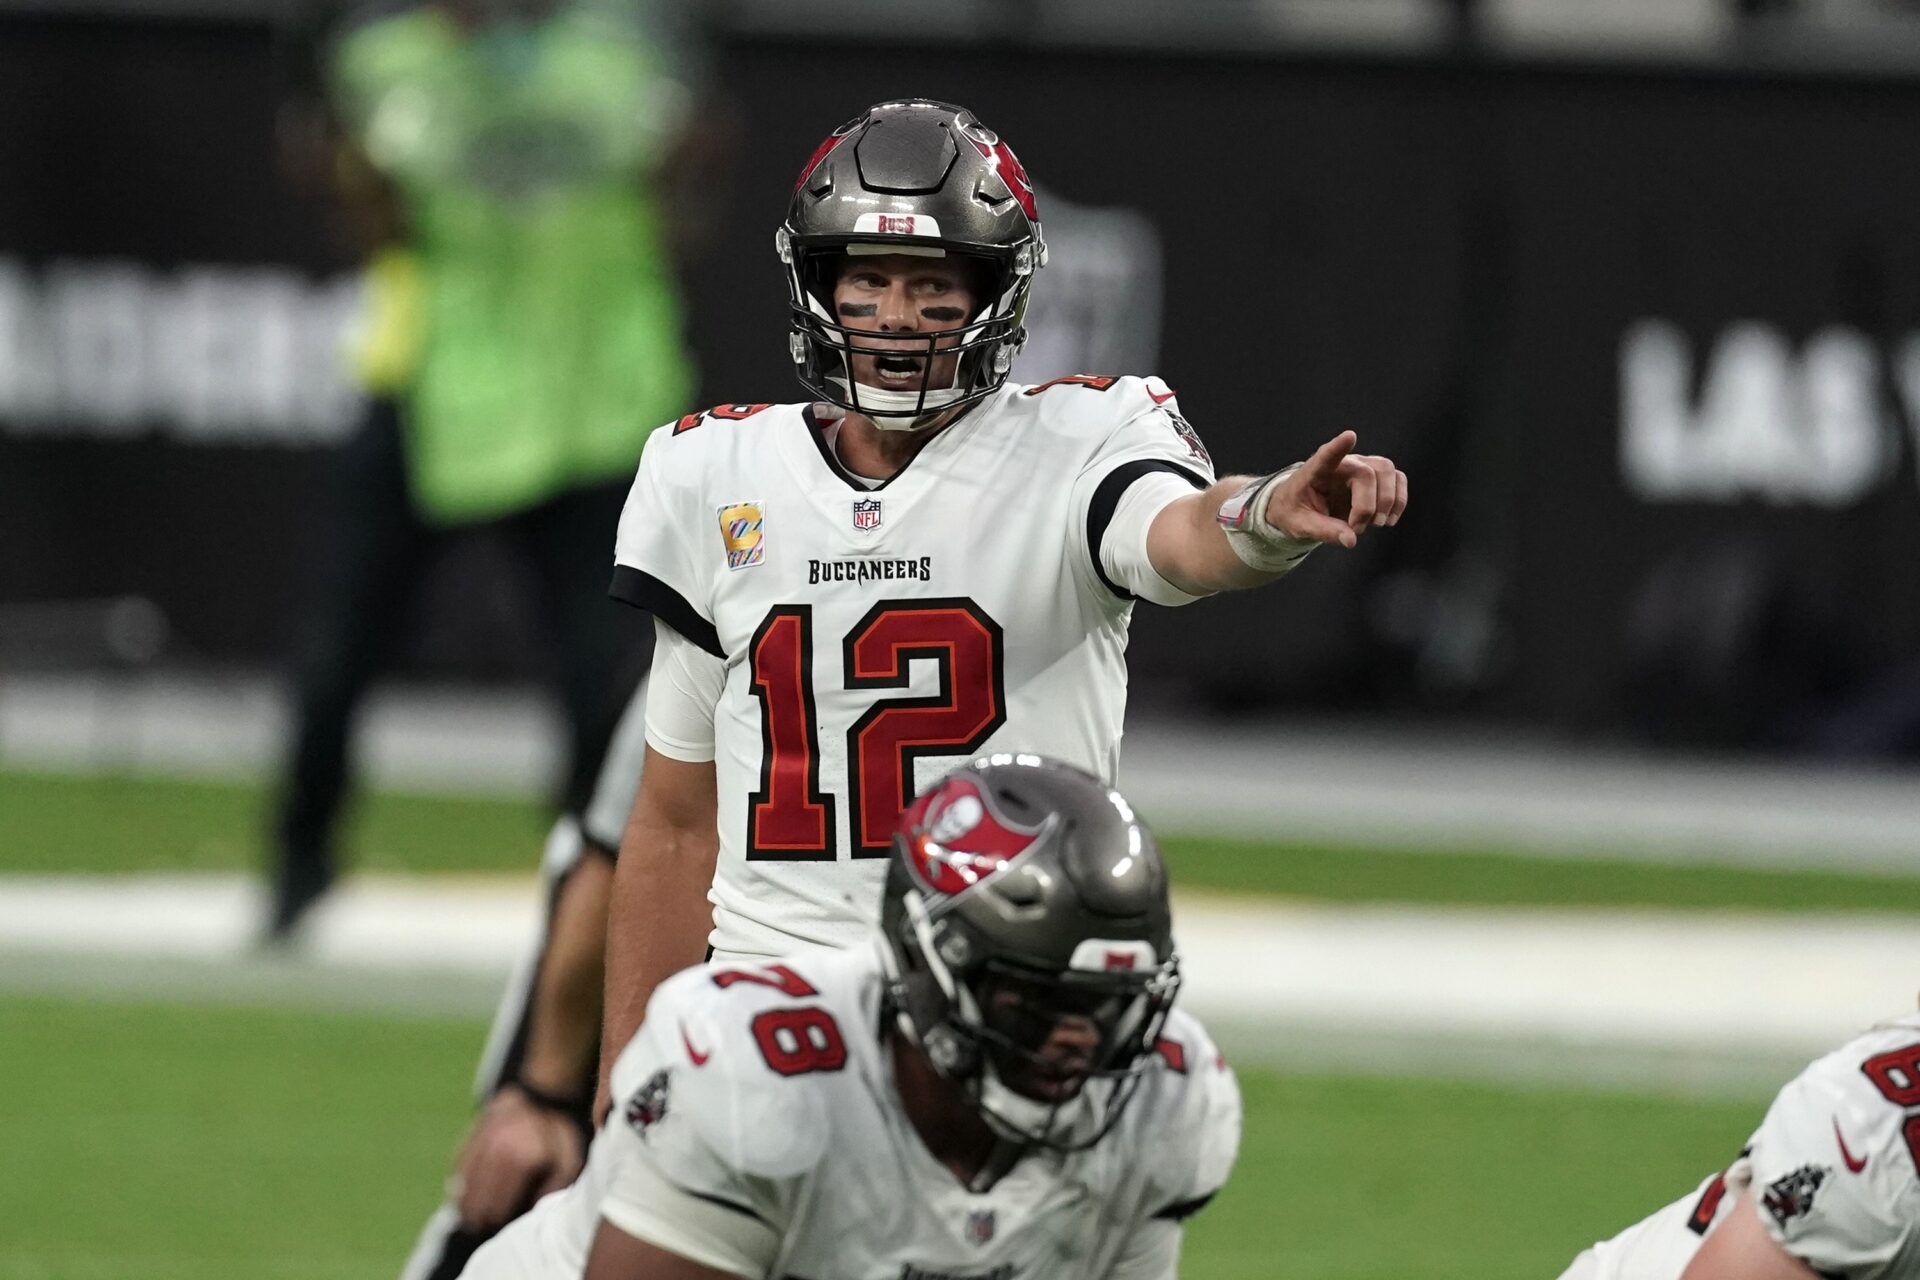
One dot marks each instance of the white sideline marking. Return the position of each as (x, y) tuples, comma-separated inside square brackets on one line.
[(1783, 986), (1658, 980)]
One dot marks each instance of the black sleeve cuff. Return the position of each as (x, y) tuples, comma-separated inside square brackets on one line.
[(1106, 497), (644, 591)]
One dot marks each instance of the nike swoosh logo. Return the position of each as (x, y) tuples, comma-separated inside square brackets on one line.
[(1853, 1166), (1162, 399), (698, 1058)]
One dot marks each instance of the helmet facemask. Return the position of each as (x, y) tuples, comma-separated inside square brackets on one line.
[(916, 177), (958, 365), (1033, 1088), (1047, 1059)]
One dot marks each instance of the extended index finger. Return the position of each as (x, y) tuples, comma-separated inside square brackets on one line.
[(1329, 455)]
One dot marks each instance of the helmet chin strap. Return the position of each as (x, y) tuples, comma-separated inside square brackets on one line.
[(891, 410), (1018, 1118)]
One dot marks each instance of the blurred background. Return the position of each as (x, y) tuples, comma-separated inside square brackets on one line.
[(1528, 848)]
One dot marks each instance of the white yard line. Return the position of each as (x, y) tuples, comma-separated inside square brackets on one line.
[(1581, 995)]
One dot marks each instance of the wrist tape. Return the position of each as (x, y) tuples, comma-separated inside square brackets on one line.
[(1243, 518)]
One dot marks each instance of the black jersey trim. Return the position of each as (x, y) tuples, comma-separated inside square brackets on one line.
[(817, 432), (1186, 1208), (644, 591), (724, 1203), (1106, 499)]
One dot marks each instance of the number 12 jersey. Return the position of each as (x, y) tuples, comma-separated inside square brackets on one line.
[(834, 645)]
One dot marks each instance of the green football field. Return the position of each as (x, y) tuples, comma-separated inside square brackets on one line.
[(204, 1139), (181, 1142), (72, 824)]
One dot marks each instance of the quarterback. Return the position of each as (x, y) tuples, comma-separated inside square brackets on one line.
[(1829, 1185), (996, 1087), (923, 562)]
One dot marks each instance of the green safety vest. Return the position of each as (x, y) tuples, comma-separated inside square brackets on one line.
[(550, 337)]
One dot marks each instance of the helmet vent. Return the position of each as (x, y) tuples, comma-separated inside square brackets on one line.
[(987, 197), (907, 154), (1020, 891), (1015, 805)]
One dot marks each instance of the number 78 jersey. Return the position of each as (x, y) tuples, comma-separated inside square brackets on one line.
[(874, 637)]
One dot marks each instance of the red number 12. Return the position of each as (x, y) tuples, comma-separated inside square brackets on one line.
[(790, 818)]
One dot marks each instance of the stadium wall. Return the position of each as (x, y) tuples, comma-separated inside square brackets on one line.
[(1647, 339)]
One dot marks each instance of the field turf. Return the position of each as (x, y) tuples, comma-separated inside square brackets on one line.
[(75, 824), (148, 1140), (151, 1141)]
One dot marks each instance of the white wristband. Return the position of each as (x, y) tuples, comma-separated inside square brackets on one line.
[(1243, 518)]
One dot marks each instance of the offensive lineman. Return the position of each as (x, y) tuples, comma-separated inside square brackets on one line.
[(995, 1086), (1829, 1185), (926, 563)]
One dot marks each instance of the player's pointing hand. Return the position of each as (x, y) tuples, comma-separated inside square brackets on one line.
[(1334, 496)]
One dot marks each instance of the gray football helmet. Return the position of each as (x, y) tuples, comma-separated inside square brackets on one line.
[(1023, 898), (911, 176)]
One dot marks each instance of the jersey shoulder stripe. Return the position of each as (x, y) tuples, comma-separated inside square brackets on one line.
[(644, 591), (1106, 498)]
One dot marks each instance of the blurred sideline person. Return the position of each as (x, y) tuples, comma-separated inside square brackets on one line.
[(1829, 1184), (535, 1082), (499, 162), (996, 1085), (924, 563)]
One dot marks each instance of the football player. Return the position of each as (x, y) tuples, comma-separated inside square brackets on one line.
[(923, 562), (997, 1085), (1829, 1185)]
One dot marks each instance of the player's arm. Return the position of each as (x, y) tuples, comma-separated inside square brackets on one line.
[(526, 1141), (619, 1256), (658, 920), (1740, 1249), (1246, 531), (690, 1187)]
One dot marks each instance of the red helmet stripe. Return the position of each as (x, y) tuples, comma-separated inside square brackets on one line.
[(819, 153), (1012, 172)]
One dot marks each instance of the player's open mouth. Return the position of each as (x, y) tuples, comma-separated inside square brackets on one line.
[(900, 370), (1046, 1088)]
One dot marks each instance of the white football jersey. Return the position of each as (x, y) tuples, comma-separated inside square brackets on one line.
[(756, 1129), (876, 637), (1833, 1171)]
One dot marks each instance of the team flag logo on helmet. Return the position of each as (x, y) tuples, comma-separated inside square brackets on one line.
[(956, 840)]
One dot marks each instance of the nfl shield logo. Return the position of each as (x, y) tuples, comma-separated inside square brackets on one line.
[(980, 1226), (866, 514)]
